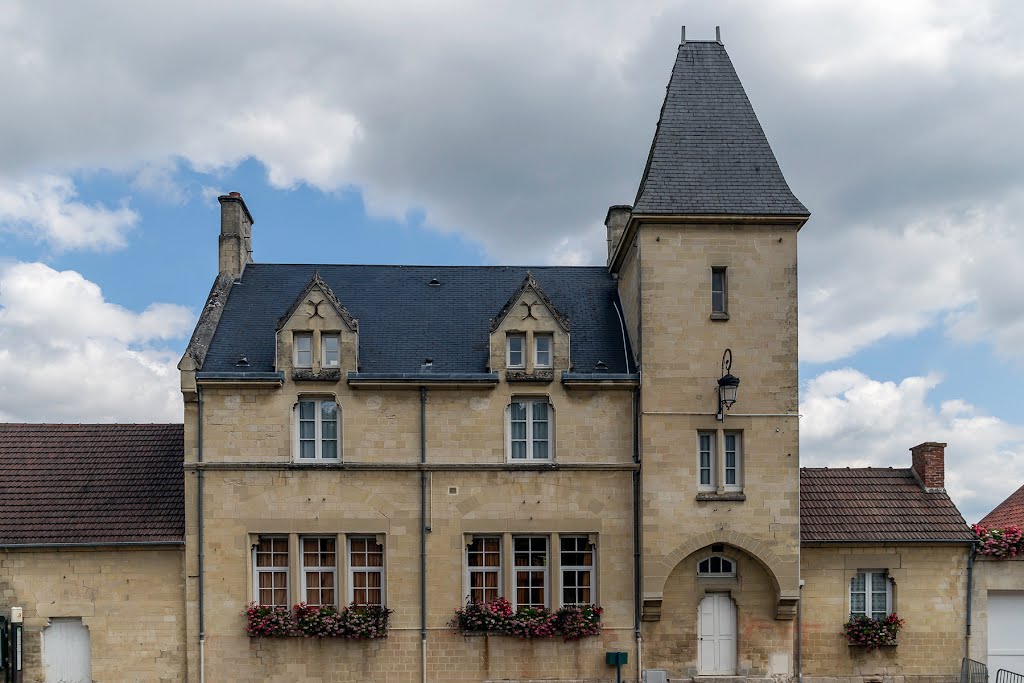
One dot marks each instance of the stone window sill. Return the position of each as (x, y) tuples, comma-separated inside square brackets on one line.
[(719, 315), (735, 496), (536, 377), (325, 375)]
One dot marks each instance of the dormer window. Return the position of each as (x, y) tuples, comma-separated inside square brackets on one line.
[(331, 346), (716, 566), (516, 356), (303, 350), (542, 350)]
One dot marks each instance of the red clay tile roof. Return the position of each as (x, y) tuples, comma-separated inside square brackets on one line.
[(874, 504), (101, 483), (1008, 513)]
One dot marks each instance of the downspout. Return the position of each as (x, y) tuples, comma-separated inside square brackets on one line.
[(637, 578), (970, 594), (199, 534), (800, 635), (424, 527)]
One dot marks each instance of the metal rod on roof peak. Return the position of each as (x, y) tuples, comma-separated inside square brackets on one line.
[(682, 37), (718, 34)]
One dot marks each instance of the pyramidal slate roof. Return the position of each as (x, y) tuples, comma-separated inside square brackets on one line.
[(1008, 513), (91, 484), (710, 155), (876, 505), (403, 319)]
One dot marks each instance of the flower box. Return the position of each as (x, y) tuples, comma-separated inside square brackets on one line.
[(320, 621), (999, 543), (571, 622), (862, 631)]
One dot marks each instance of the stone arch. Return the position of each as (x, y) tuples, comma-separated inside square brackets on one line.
[(783, 574)]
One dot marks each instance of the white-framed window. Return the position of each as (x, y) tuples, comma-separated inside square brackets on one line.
[(303, 343), (318, 426), (577, 567), (733, 453), (711, 472), (542, 344), (716, 566), (706, 460), (871, 594), (365, 570), (270, 571), (319, 570), (530, 560), (515, 346), (719, 290), (483, 569), (529, 429), (330, 346)]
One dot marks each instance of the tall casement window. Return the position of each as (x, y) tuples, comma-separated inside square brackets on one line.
[(365, 571), (706, 459), (317, 430), (303, 343), (871, 594), (542, 344), (270, 571), (577, 560), (330, 345), (515, 346), (319, 570), (483, 562), (719, 293), (530, 557), (723, 469), (529, 422)]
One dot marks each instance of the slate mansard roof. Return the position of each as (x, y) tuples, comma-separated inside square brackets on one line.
[(91, 484), (710, 155), (875, 505), (1008, 513), (403, 320)]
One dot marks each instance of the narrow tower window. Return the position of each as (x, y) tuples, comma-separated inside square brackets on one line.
[(719, 290)]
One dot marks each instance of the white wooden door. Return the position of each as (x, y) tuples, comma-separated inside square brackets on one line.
[(716, 651), (1005, 625), (66, 654)]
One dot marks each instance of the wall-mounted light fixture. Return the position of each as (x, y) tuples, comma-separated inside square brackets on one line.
[(728, 385)]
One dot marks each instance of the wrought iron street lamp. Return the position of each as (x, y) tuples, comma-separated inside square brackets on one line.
[(728, 385)]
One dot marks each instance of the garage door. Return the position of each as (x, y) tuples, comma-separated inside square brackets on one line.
[(1005, 624)]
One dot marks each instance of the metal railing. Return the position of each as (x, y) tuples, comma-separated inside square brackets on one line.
[(973, 672), (1004, 676)]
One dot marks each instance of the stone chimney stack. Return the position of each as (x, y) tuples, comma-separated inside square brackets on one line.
[(929, 464), (235, 234), (615, 221)]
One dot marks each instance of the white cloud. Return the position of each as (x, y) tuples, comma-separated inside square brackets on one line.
[(68, 355), (45, 208), (852, 420)]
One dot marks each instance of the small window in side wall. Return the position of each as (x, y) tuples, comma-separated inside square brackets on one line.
[(303, 343), (365, 571), (871, 594), (542, 344), (733, 455), (706, 460), (331, 350), (318, 426), (515, 350), (270, 571), (719, 292), (716, 565), (577, 562), (319, 570), (529, 429)]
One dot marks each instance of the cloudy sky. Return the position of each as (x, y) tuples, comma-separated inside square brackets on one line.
[(456, 132)]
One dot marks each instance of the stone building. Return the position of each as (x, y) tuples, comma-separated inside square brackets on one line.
[(417, 437)]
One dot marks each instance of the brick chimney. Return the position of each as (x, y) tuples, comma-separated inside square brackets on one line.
[(929, 464), (615, 221), (235, 234)]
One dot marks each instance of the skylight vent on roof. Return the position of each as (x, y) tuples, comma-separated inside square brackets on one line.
[(434, 282), (243, 362)]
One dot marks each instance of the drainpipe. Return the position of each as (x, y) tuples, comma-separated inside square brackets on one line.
[(637, 578), (970, 591), (800, 635), (199, 524), (424, 528)]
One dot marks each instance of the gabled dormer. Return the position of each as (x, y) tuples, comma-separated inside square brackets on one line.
[(529, 336), (317, 339)]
